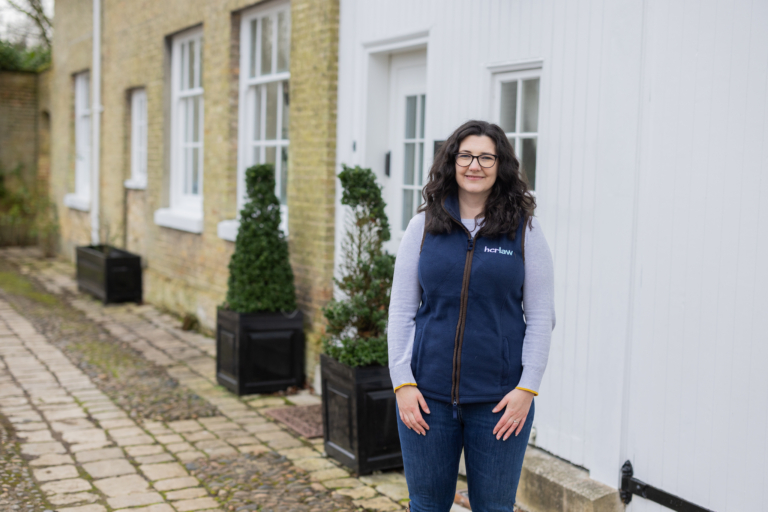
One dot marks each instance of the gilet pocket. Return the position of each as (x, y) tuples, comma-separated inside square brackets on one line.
[(504, 362)]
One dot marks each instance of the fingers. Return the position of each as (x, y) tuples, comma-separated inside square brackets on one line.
[(423, 404), (501, 404)]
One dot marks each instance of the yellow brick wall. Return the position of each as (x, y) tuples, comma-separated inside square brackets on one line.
[(312, 156), (187, 272)]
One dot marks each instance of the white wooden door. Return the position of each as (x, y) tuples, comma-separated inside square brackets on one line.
[(402, 188)]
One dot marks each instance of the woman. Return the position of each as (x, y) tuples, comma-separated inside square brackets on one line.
[(465, 361)]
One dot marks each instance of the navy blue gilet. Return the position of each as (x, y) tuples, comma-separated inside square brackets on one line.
[(469, 327)]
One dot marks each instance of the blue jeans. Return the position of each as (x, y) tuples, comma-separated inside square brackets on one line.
[(432, 461)]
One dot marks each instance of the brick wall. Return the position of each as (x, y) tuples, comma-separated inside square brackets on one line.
[(18, 122), (312, 156), (187, 272)]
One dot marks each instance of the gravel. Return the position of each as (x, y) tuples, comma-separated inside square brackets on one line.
[(265, 482), (18, 491)]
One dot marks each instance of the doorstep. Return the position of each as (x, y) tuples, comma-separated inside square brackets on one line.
[(550, 484)]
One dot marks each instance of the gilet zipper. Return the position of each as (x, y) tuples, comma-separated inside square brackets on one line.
[(459, 339)]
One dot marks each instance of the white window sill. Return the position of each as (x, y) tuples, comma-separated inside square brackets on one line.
[(77, 202), (181, 220), (227, 229), (135, 184)]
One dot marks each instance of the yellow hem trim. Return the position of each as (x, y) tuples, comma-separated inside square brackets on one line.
[(406, 384), (526, 389)]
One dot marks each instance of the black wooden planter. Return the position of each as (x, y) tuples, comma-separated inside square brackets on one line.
[(359, 417), (108, 273), (259, 352)]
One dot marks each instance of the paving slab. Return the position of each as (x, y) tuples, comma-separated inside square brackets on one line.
[(55, 473), (101, 454), (108, 468), (52, 459), (83, 447), (342, 482), (146, 449), (380, 504), (135, 500), (175, 483), (163, 471), (125, 432), (195, 504), (186, 494), (72, 424), (134, 440), (358, 493), (169, 439), (160, 507), (70, 499), (42, 448), (122, 485), (86, 435), (66, 486), (154, 459), (85, 508)]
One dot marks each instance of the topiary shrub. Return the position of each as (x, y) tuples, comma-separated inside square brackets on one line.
[(260, 275), (356, 331)]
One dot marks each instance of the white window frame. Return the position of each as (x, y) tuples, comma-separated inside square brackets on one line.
[(248, 99), (138, 178), (81, 198), (186, 209), (517, 72)]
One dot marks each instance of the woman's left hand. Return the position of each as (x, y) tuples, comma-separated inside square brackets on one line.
[(518, 403)]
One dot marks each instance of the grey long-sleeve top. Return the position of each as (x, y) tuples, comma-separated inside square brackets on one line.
[(538, 304)]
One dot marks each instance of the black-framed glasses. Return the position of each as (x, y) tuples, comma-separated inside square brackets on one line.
[(465, 160)]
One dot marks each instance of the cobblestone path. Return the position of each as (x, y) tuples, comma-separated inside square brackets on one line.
[(112, 408)]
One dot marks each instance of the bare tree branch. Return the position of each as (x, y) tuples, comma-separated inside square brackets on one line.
[(34, 10)]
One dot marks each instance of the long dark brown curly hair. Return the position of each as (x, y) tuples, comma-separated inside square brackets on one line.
[(509, 201)]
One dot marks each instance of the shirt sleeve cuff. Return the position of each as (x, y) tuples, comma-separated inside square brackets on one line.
[(530, 380), (401, 375)]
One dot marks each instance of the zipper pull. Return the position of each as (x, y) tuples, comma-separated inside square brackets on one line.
[(470, 244), (455, 410)]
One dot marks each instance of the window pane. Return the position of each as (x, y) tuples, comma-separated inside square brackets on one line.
[(270, 155), (284, 176), (283, 42), (421, 162), (256, 98), (529, 161), (196, 119), (508, 114), (410, 117), (256, 155), (254, 48), (421, 122), (410, 149), (266, 45), (531, 105), (271, 127), (191, 65), (195, 171), (286, 104), (407, 207)]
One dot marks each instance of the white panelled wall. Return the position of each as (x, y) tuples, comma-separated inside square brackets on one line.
[(652, 156)]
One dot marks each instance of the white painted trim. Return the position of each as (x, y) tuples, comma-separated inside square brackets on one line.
[(402, 42), (227, 229), (77, 202), (515, 65), (135, 184), (96, 109), (138, 139), (181, 220), (189, 204)]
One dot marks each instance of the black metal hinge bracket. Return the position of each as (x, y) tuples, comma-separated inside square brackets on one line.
[(631, 485)]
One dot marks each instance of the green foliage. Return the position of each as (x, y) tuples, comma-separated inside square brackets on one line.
[(27, 207), (17, 57), (260, 274), (356, 331)]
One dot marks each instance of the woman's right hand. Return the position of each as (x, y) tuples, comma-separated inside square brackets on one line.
[(409, 398)]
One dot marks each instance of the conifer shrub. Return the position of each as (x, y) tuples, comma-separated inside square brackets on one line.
[(356, 330), (260, 274)]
